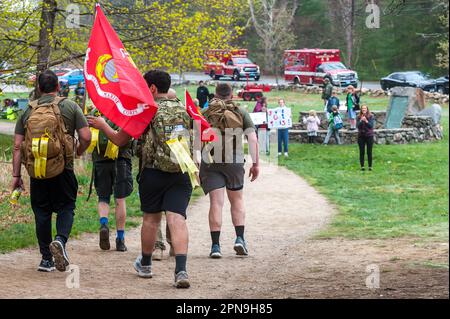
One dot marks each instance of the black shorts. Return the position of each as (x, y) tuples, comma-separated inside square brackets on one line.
[(54, 194), (216, 176), (113, 177), (164, 192)]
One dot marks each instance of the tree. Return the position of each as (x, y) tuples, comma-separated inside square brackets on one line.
[(442, 56), (342, 13), (167, 34), (272, 20)]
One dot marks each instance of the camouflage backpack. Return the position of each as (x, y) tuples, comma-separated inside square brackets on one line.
[(170, 120)]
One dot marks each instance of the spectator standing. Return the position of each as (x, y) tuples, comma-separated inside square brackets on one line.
[(366, 124), (202, 94), (312, 125), (334, 125), (351, 103), (327, 91), (283, 135)]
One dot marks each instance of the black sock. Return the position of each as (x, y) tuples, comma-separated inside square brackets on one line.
[(146, 259), (180, 263), (239, 231), (215, 235)]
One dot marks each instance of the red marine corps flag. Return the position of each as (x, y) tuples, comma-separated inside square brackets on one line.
[(113, 82), (207, 134)]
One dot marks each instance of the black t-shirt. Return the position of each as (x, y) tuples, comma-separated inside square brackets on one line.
[(202, 95)]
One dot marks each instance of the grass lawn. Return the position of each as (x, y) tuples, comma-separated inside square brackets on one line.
[(407, 194)]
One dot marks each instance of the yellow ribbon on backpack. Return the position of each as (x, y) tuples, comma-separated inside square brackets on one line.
[(181, 151), (39, 148), (112, 150), (94, 141)]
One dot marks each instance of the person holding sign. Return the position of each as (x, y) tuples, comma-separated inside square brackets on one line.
[(283, 133)]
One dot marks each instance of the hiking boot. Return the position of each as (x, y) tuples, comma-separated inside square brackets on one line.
[(59, 255), (215, 251), (143, 271), (104, 238), (46, 265), (182, 280), (240, 247), (120, 245), (158, 254)]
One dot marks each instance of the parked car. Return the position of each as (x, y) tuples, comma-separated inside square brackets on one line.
[(442, 84), (73, 77), (409, 79), (58, 72)]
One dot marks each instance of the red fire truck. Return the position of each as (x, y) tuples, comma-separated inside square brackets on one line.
[(312, 66), (231, 63)]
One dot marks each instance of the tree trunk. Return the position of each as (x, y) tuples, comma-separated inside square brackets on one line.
[(48, 15)]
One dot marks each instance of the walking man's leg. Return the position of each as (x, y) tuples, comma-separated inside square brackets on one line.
[(286, 141), (216, 198), (159, 244), (121, 216), (103, 211), (236, 199), (149, 231), (180, 239), (43, 221)]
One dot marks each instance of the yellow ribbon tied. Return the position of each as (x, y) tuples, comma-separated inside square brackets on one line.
[(94, 141), (39, 148), (112, 150), (181, 151)]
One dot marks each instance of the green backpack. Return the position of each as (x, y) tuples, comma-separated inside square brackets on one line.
[(171, 119)]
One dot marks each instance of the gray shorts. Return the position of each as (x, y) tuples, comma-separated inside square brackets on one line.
[(216, 176)]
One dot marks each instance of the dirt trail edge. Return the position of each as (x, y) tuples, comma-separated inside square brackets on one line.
[(282, 211)]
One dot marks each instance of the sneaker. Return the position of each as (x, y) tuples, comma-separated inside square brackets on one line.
[(143, 271), (363, 169), (182, 280), (120, 245), (286, 154), (104, 238), (240, 247), (59, 255), (46, 265), (370, 168), (279, 154), (158, 254), (215, 251)]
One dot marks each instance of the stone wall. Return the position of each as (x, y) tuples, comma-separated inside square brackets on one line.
[(415, 129)]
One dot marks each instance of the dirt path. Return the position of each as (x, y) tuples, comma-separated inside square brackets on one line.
[(7, 127), (283, 212)]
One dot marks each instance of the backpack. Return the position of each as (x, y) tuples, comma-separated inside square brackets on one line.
[(337, 120), (47, 146), (222, 115), (170, 118)]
